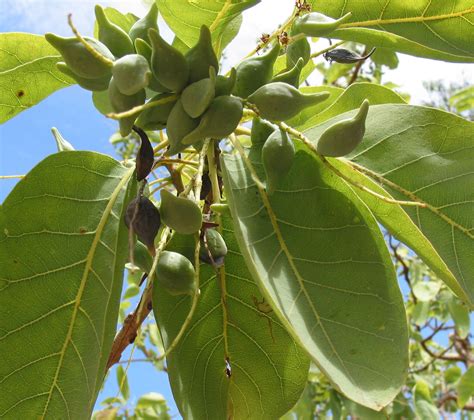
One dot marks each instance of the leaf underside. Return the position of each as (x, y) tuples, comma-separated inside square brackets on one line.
[(268, 369), (322, 263), (427, 153)]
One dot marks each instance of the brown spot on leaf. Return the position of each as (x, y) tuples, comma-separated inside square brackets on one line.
[(82, 230), (20, 93)]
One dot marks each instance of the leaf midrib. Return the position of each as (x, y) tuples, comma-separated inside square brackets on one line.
[(414, 19), (85, 276), (289, 257), (28, 63)]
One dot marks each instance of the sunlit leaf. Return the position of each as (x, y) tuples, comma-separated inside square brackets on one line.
[(432, 29), (186, 17), (28, 72), (62, 250)]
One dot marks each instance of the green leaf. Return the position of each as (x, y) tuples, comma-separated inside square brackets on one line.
[(322, 264), (465, 387), (431, 29), (385, 57), (351, 98), (28, 72), (186, 17), (62, 250), (427, 154), (122, 382), (426, 291), (150, 399), (460, 314), (360, 412), (268, 369), (463, 100), (420, 313), (396, 220), (452, 374), (424, 407)]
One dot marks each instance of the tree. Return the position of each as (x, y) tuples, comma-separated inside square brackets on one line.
[(248, 213)]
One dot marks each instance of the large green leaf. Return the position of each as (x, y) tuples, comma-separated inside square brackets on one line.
[(28, 72), (428, 154), (62, 249), (426, 28), (351, 98), (321, 261), (269, 370), (222, 17), (398, 222)]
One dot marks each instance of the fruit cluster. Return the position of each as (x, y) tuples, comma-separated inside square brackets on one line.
[(189, 99)]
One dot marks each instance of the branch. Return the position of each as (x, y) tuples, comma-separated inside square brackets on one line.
[(441, 355), (453, 397), (129, 332)]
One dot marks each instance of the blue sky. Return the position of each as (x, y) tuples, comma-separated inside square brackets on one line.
[(26, 139)]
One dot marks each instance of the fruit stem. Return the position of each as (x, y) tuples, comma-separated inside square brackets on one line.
[(195, 298), (139, 108), (88, 47), (300, 136), (12, 176), (330, 48)]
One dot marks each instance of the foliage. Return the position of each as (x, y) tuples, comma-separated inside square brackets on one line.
[(302, 303)]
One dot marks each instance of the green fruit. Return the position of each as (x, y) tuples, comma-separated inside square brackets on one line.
[(296, 50), (142, 258), (280, 101), (168, 64), (316, 24), (179, 125), (344, 136), (255, 72), (175, 273), (112, 35), (156, 118), (220, 120), (146, 222), (292, 76), (79, 59), (197, 96), (94, 85), (180, 214), (261, 129), (201, 57), (122, 103), (131, 73), (141, 26), (143, 48), (278, 154), (213, 249), (224, 85)]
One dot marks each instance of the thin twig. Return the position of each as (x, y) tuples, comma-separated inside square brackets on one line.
[(135, 110), (88, 46)]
